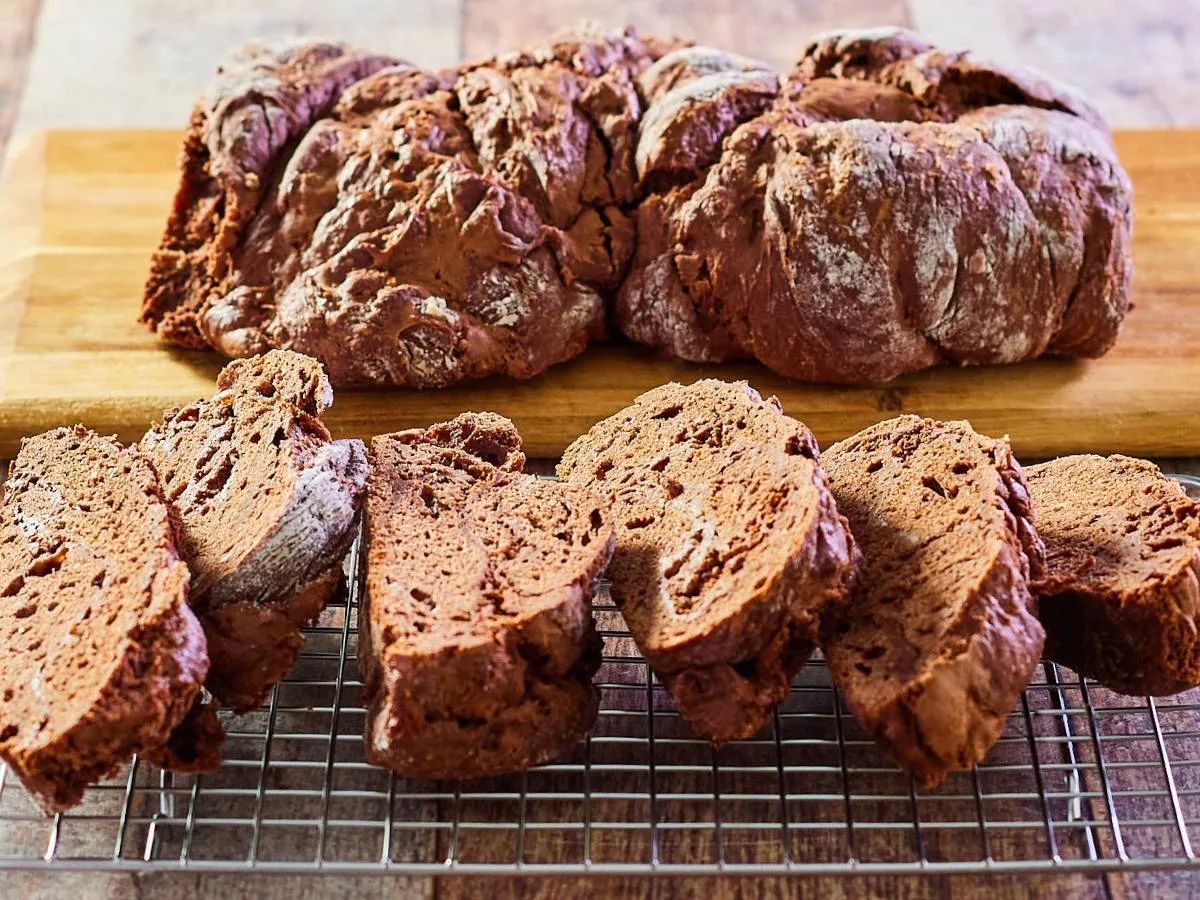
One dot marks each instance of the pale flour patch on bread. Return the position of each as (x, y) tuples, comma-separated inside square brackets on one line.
[(326, 193), (267, 505), (895, 230)]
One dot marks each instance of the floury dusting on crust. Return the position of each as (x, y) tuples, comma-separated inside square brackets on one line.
[(405, 227), (267, 505), (882, 207), (892, 207)]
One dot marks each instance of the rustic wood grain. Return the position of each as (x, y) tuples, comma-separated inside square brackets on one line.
[(83, 210), (765, 29), (1136, 61), (134, 63), (17, 22), (1071, 887)]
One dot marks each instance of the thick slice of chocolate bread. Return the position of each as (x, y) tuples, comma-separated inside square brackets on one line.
[(476, 639), (1120, 594), (102, 655), (267, 505), (940, 635), (729, 545)]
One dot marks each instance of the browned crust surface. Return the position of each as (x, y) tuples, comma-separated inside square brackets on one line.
[(405, 227), (884, 207)]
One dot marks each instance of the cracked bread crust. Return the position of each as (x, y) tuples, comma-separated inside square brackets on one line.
[(885, 207), (940, 634), (1120, 594), (476, 644), (259, 101), (729, 545), (402, 226), (102, 654), (267, 505)]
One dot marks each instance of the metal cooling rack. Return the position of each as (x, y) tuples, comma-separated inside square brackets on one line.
[(1082, 779)]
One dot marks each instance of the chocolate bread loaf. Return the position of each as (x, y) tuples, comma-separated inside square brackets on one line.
[(476, 640), (102, 655), (884, 207), (729, 545), (1120, 594), (267, 506), (404, 227), (940, 634)]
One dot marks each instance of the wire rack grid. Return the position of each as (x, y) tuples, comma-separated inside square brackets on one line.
[(1081, 779)]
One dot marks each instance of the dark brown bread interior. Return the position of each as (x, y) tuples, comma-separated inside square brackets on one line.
[(1120, 594), (476, 639), (729, 545), (195, 743), (102, 655), (267, 505), (940, 635)]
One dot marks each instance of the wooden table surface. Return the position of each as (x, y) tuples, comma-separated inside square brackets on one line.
[(140, 63)]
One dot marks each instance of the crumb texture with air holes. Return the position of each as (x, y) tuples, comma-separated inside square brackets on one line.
[(1120, 595), (476, 639), (267, 505), (729, 545), (102, 655), (940, 634)]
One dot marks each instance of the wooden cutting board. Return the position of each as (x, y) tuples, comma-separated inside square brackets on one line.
[(81, 211)]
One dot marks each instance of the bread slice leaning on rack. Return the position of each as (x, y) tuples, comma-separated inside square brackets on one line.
[(1120, 594), (729, 545), (102, 654), (940, 635), (476, 640), (267, 505)]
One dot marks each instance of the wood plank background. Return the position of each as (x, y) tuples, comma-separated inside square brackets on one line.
[(128, 63), (80, 210)]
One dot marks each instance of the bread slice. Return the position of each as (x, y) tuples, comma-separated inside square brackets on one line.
[(476, 640), (267, 505), (102, 656), (1120, 594), (729, 545), (940, 635)]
